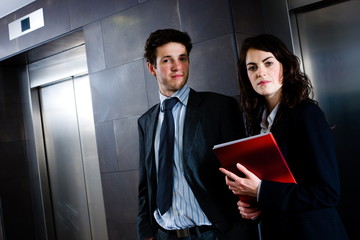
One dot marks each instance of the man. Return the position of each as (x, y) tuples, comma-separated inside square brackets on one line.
[(198, 204)]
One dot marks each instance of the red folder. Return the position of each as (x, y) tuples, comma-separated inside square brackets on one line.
[(260, 154)]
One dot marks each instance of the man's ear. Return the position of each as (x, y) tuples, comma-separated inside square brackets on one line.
[(151, 69)]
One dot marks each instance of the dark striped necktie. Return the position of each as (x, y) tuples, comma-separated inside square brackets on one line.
[(166, 158)]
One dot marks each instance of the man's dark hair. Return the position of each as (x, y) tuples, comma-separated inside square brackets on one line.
[(164, 36)]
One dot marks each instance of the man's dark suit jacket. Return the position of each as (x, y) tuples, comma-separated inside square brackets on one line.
[(306, 210), (210, 119)]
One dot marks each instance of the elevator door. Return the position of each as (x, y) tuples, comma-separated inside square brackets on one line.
[(329, 39), (70, 147)]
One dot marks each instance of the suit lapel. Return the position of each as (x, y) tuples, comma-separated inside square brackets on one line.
[(280, 128), (150, 139), (192, 122)]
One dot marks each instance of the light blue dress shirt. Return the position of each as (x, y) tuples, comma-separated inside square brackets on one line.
[(185, 210)]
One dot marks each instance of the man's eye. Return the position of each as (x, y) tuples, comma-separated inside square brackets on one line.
[(184, 59), (166, 61)]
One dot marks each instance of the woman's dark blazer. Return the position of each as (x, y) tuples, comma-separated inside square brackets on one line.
[(306, 210)]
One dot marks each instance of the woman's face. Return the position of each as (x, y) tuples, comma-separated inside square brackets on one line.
[(265, 73)]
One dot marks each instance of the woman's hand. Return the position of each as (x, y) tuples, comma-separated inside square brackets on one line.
[(247, 185), (247, 211)]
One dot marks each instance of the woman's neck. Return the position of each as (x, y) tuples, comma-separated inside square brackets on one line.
[(272, 101), (271, 105)]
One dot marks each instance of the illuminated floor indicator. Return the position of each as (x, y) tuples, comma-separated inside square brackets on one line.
[(25, 24)]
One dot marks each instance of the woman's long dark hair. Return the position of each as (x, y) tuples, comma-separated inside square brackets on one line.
[(296, 85)]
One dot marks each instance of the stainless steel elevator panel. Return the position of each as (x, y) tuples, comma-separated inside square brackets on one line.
[(64, 158), (330, 46), (66, 147)]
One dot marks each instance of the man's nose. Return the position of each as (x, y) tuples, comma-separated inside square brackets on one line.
[(176, 65)]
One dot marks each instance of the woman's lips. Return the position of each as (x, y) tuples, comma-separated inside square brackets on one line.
[(263, 82)]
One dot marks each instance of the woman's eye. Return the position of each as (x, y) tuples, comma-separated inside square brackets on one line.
[(269, 64), (251, 68)]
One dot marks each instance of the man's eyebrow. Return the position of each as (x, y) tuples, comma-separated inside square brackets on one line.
[(181, 55)]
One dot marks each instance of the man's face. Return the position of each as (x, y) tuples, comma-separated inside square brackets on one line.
[(172, 67)]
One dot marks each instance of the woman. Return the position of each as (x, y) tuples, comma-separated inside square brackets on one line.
[(276, 97)]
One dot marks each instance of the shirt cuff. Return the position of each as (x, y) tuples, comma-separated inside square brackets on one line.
[(258, 191)]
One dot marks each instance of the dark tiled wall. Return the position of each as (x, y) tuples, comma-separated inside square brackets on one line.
[(122, 88)]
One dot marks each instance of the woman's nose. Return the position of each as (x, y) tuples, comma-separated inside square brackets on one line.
[(260, 72)]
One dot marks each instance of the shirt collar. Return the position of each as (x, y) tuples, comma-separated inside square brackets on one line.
[(270, 119), (182, 94)]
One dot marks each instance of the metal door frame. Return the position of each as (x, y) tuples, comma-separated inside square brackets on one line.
[(49, 71)]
